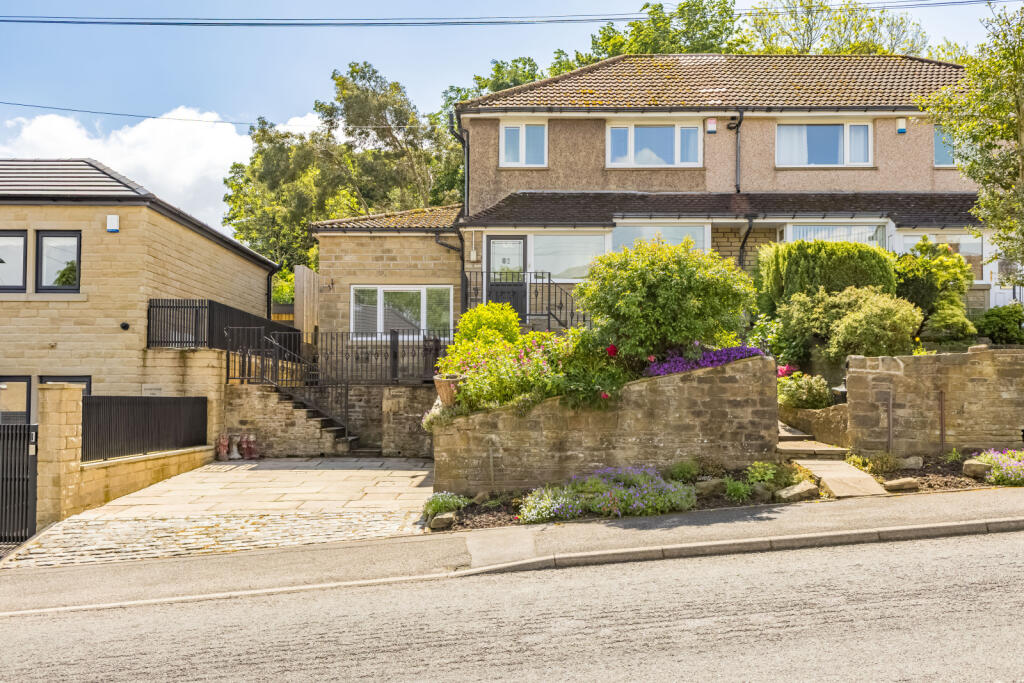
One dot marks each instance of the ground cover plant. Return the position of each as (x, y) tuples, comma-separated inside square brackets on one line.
[(1007, 466), (443, 501)]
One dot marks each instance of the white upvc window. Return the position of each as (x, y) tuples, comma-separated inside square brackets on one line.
[(942, 149), (625, 235), (654, 145), (863, 232), (971, 247), (378, 309), (814, 144), (523, 144)]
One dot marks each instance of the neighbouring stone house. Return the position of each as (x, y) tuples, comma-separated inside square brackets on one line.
[(83, 253), (731, 151)]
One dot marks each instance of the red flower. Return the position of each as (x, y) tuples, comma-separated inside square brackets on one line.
[(605, 394), (612, 350), (651, 358)]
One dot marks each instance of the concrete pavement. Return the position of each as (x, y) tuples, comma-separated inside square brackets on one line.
[(746, 529), (942, 609)]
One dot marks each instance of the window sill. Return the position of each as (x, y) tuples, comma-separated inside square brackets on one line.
[(503, 167), (944, 168), (826, 168), (654, 168), (43, 296)]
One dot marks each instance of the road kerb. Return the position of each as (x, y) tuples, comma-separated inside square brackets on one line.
[(609, 556), (1009, 524), (824, 539), (751, 545), (919, 531)]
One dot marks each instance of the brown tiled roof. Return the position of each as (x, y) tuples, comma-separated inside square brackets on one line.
[(715, 81), (603, 208), (432, 218)]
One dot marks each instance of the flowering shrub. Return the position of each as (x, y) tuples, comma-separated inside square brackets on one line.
[(443, 501), (591, 376), (804, 391), (610, 492), (784, 370), (494, 318), (550, 503), (1007, 467), (709, 359)]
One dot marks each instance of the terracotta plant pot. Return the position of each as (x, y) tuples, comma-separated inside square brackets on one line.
[(446, 386)]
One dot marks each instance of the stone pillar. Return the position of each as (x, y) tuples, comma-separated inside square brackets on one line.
[(59, 452)]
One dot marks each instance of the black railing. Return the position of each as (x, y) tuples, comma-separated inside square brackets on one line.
[(17, 482), (535, 296), (199, 323), (118, 426)]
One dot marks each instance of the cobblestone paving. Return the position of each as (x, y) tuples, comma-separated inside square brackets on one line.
[(227, 507)]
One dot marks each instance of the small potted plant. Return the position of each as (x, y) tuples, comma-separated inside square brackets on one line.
[(446, 385)]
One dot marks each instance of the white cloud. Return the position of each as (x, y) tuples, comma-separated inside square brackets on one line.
[(302, 124), (181, 162)]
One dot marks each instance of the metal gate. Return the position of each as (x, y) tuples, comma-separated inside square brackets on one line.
[(17, 482)]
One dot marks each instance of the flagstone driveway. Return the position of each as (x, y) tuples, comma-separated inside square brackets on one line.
[(225, 507)]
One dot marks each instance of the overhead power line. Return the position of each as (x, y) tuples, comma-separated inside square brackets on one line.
[(419, 22)]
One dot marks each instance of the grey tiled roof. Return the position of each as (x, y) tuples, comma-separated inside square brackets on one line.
[(716, 81), (434, 218), (64, 178), (925, 209)]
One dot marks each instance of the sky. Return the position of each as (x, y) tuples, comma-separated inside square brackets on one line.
[(238, 74)]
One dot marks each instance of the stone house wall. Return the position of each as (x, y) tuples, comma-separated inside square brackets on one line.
[(968, 401), (78, 334), (727, 415)]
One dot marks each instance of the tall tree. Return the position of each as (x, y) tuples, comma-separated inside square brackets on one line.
[(503, 75), (983, 118), (815, 27)]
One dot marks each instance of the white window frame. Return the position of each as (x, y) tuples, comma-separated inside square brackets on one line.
[(666, 223), (422, 289), (934, 150), (989, 268), (890, 227), (697, 124), (846, 142), (521, 125)]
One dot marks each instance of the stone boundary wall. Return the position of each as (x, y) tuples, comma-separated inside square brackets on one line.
[(385, 417), (727, 415), (66, 486), (968, 401)]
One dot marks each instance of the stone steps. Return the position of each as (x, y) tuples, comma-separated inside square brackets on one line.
[(809, 447), (787, 433)]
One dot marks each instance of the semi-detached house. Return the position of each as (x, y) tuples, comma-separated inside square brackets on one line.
[(731, 151)]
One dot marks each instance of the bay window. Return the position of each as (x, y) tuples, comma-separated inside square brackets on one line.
[(376, 310), (12, 260), (524, 144), (640, 145), (823, 144), (566, 257)]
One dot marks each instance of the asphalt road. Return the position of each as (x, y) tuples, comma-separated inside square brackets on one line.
[(946, 609)]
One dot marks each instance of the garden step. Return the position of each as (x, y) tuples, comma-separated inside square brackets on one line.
[(842, 479), (787, 433), (365, 453), (791, 449)]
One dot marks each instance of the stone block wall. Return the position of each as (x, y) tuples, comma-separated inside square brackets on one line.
[(828, 425), (727, 240), (402, 409), (969, 401), (281, 430), (66, 486), (726, 415)]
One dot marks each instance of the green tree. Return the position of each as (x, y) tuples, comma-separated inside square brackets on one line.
[(983, 118), (815, 27), (503, 75)]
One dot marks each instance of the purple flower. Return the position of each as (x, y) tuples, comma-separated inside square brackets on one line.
[(709, 359)]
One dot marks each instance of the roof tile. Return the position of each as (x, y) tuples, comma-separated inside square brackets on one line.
[(430, 218)]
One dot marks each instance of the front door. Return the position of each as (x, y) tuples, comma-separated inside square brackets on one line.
[(506, 272)]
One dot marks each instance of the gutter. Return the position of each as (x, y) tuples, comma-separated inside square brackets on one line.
[(635, 110)]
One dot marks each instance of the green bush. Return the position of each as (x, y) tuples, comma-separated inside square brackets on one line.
[(1002, 324), (763, 472), (589, 377), (443, 501), (499, 319), (861, 321), (654, 297), (804, 391), (882, 326), (948, 321), (737, 491), (931, 274), (685, 471), (785, 269)]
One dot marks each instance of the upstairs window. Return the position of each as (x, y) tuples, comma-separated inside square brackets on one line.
[(12, 260), (655, 145), (943, 148), (524, 144), (823, 144), (58, 260)]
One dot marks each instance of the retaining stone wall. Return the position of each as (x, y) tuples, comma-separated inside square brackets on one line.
[(726, 415), (281, 430), (980, 395)]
